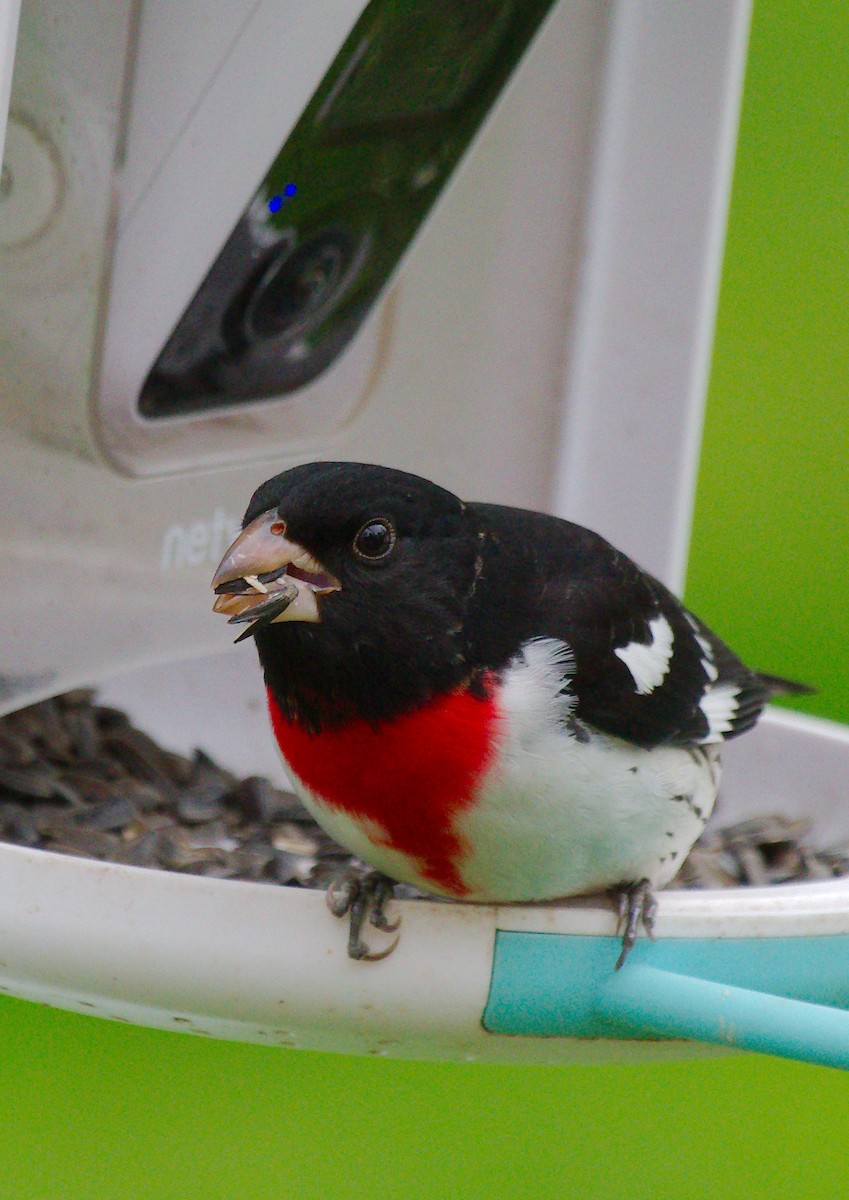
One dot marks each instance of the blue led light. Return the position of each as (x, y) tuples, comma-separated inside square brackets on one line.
[(276, 202)]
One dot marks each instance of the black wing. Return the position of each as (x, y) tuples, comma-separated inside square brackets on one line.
[(647, 670)]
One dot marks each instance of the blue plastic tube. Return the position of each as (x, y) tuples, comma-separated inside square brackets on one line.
[(663, 1003)]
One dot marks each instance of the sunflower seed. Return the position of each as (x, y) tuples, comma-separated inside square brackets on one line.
[(91, 787), (294, 839), (15, 750), (201, 803), (36, 782), (143, 851), (18, 825), (261, 801), (294, 868), (83, 732), (111, 815), (142, 757), (77, 698), (93, 843)]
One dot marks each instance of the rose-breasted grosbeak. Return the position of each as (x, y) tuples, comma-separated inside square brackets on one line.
[(487, 703)]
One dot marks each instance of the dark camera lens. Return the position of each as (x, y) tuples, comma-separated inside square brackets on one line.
[(295, 291)]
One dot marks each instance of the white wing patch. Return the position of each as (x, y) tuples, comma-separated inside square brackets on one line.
[(533, 689), (719, 704), (649, 662), (708, 665)]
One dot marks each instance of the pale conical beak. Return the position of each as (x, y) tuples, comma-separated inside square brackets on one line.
[(265, 577)]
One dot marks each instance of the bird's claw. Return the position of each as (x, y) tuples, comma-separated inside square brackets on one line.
[(383, 892), (637, 906), (363, 894)]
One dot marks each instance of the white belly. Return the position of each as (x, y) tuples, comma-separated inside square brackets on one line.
[(558, 818)]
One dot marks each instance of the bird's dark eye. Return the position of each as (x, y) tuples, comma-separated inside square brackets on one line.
[(375, 540)]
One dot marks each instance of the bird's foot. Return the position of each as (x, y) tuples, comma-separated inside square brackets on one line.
[(637, 906), (363, 894)]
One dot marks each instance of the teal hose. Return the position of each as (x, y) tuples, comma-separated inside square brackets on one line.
[(666, 1004)]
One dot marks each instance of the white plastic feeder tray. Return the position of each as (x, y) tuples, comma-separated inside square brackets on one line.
[(762, 969)]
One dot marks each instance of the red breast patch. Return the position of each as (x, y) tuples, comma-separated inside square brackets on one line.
[(412, 775)]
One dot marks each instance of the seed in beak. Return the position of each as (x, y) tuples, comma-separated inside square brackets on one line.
[(264, 611), (256, 585)]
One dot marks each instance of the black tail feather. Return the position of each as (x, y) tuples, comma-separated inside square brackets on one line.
[(775, 685)]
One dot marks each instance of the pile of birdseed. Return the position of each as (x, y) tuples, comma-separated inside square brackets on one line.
[(757, 853), (77, 777)]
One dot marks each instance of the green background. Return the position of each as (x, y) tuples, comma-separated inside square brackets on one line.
[(97, 1109)]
